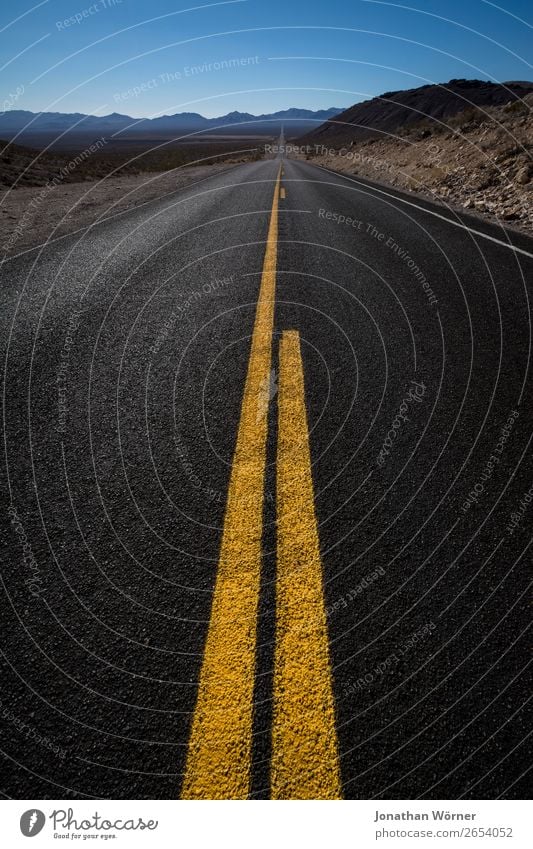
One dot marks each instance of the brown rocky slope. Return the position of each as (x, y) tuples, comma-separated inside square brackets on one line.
[(480, 160), (397, 111)]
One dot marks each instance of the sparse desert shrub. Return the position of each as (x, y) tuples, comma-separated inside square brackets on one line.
[(471, 116), (516, 107)]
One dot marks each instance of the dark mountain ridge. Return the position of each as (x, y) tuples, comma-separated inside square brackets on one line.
[(395, 111)]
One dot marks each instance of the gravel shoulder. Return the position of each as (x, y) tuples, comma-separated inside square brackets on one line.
[(481, 162), (32, 215)]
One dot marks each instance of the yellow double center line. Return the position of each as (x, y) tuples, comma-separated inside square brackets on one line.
[(304, 740), (305, 762)]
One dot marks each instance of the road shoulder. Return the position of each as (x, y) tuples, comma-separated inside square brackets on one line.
[(32, 215)]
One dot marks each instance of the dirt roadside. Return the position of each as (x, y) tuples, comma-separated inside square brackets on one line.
[(31, 215)]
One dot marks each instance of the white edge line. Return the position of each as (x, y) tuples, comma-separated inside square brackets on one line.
[(428, 211)]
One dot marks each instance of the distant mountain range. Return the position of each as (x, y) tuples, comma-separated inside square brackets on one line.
[(392, 113), (293, 120), (395, 111)]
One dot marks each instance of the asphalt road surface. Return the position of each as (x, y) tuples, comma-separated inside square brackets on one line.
[(267, 521)]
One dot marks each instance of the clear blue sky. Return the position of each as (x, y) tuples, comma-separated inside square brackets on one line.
[(309, 54)]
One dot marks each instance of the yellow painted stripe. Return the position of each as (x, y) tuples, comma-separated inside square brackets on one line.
[(305, 762), (220, 746), (282, 194)]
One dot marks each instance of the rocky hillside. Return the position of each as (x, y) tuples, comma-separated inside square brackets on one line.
[(480, 161), (398, 111)]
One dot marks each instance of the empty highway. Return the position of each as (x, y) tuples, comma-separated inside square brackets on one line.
[(269, 498)]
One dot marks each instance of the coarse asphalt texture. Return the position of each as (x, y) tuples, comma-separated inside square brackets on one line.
[(126, 349)]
